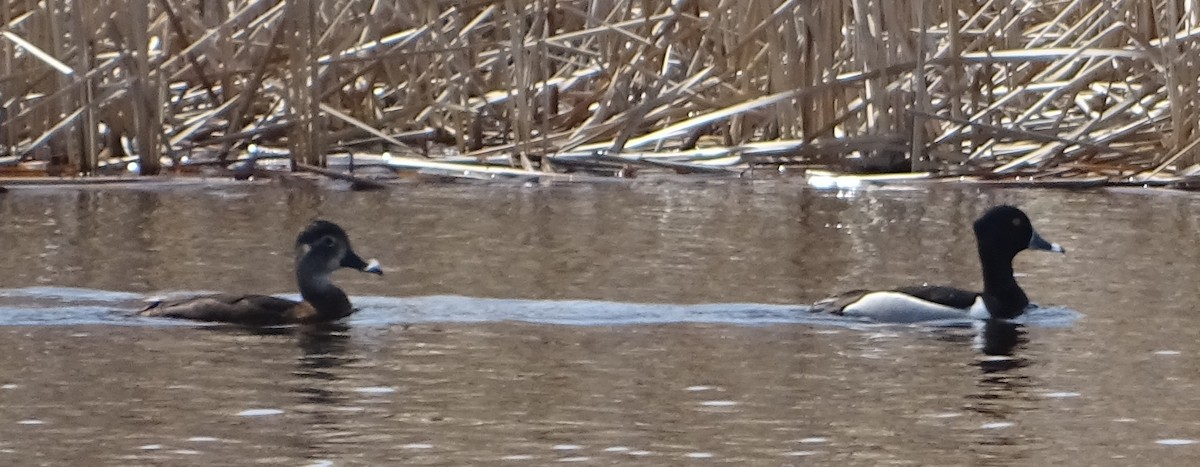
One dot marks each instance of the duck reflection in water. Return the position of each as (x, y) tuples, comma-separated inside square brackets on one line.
[(999, 364), (323, 350), (316, 382), (1003, 389), (998, 337)]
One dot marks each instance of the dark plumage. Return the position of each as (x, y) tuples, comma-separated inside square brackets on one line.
[(321, 248), (1001, 233)]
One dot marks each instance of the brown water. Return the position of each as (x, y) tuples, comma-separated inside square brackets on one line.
[(645, 324)]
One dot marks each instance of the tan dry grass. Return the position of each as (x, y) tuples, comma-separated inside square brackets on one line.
[(1069, 88)]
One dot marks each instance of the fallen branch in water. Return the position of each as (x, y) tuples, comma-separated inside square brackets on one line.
[(356, 183)]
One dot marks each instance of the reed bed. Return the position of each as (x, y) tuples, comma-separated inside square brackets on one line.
[(543, 88)]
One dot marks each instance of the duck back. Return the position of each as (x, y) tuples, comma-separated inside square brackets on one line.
[(241, 309)]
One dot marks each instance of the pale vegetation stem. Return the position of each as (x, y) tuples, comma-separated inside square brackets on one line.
[(988, 88)]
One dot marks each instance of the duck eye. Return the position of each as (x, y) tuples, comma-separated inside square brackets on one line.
[(328, 241)]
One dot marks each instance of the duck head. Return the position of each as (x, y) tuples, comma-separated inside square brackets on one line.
[(1006, 231), (323, 247)]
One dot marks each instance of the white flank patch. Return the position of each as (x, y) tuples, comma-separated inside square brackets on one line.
[(896, 307), (375, 390), (979, 310), (259, 412)]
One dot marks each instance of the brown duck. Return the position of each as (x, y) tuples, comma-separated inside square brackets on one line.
[(323, 247)]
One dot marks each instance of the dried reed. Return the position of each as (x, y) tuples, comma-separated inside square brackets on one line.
[(995, 89)]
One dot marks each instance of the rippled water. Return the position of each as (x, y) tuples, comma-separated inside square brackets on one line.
[(652, 324)]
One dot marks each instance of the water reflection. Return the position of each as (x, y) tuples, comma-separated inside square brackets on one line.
[(1003, 395), (516, 374), (320, 405), (1002, 392), (323, 349), (1001, 382), (323, 352), (998, 337)]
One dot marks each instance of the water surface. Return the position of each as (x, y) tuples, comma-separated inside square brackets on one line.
[(652, 324)]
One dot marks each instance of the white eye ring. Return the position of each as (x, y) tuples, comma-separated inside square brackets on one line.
[(329, 241)]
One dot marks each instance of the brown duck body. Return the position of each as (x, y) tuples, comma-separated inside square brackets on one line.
[(320, 249), (259, 310)]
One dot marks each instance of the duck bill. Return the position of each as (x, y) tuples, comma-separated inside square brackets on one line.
[(353, 261), (1036, 242)]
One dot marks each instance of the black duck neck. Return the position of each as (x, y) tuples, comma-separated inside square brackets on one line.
[(318, 290), (1001, 294)]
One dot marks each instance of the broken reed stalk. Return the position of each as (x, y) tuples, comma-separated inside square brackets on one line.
[(1068, 88)]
